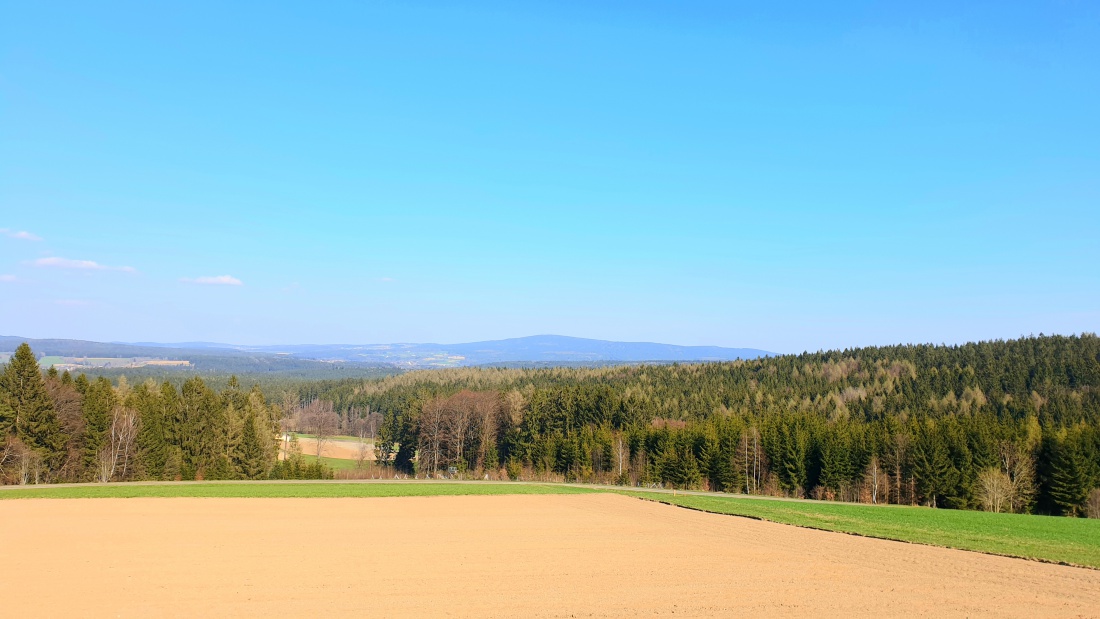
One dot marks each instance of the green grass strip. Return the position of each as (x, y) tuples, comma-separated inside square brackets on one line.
[(286, 490), (336, 464), (1073, 541)]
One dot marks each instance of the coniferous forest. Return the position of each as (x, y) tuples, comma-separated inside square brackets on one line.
[(1010, 426)]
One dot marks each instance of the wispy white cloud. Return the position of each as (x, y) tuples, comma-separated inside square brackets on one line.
[(20, 234), (73, 302), (8, 278), (84, 265), (387, 279), (216, 280)]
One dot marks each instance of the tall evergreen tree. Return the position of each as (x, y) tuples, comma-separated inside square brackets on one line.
[(31, 411), (1070, 479), (249, 455), (933, 470), (151, 444), (99, 403)]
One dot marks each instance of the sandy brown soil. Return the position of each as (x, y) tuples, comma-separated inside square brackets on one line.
[(345, 450), (550, 556)]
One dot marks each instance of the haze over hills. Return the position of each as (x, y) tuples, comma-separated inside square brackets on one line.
[(543, 349), (539, 349)]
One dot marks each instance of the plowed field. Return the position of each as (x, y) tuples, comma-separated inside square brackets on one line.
[(547, 556)]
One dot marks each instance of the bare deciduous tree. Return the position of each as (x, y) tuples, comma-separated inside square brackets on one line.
[(620, 453), (319, 419), (29, 462), (897, 453), (750, 456), (995, 490), (365, 428), (116, 455), (1093, 505), (1019, 464), (487, 411), (875, 479), (459, 415), (433, 426)]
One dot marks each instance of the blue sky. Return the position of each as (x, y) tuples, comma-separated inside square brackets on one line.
[(780, 176)]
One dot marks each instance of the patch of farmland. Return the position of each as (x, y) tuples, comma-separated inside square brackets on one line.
[(542, 556)]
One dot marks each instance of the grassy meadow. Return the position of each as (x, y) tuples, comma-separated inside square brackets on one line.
[(1074, 541), (1061, 540), (336, 464)]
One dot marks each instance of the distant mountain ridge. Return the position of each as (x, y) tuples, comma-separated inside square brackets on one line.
[(537, 349)]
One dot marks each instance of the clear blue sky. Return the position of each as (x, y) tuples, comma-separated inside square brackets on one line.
[(780, 176)]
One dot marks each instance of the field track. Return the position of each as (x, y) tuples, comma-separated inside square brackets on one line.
[(538, 555)]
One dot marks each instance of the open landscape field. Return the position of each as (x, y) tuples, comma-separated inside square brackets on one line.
[(337, 449), (574, 553), (1071, 541)]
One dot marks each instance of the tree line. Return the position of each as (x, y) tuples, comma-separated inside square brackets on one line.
[(57, 428), (1003, 425)]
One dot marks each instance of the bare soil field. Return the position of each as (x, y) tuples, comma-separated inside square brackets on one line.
[(344, 450), (537, 555)]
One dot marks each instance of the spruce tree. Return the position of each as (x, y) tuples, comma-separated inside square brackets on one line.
[(935, 473), (249, 455), (7, 413), (99, 403), (152, 449), (31, 411), (1069, 480), (835, 463)]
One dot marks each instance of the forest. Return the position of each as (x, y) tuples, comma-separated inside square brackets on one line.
[(56, 428), (1003, 425), (1007, 426)]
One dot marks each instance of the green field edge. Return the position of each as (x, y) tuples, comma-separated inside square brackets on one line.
[(1037, 559), (1054, 538)]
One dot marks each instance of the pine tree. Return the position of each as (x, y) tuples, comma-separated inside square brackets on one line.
[(31, 412)]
